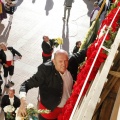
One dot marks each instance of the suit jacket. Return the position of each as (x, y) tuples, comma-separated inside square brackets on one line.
[(6, 101), (49, 81), (76, 49), (13, 51), (47, 49)]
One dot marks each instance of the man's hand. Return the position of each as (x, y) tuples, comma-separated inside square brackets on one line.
[(5, 65), (23, 106)]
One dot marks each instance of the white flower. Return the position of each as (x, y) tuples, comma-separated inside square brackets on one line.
[(31, 112), (59, 41), (30, 105), (8, 108)]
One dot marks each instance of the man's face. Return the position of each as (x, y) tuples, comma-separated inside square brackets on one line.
[(61, 62), (11, 93), (79, 44), (3, 47), (46, 38)]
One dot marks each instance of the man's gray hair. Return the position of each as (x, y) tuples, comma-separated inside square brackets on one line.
[(11, 88)]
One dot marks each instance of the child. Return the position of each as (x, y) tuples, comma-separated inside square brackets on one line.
[(76, 48)]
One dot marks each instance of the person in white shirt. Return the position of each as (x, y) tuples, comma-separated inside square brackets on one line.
[(94, 13), (10, 99), (7, 57)]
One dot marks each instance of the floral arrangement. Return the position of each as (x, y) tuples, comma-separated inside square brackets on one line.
[(91, 53), (32, 113), (58, 41), (9, 110)]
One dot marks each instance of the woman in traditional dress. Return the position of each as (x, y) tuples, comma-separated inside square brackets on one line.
[(2, 12)]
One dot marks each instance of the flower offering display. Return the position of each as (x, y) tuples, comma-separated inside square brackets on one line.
[(113, 15), (32, 113), (9, 109), (58, 41)]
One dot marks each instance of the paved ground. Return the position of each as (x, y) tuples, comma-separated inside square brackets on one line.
[(32, 20)]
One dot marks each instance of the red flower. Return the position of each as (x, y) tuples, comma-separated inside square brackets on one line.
[(118, 4), (91, 54), (108, 37)]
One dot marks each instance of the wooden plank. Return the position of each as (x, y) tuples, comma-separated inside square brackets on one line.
[(86, 112), (115, 73), (111, 82), (106, 108), (106, 91), (116, 107)]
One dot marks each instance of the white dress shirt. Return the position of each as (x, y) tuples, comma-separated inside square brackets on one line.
[(11, 101), (67, 87), (9, 55)]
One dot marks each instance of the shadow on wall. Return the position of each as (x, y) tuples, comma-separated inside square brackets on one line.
[(33, 1), (89, 4), (65, 36), (1, 28), (5, 35), (48, 6), (18, 4)]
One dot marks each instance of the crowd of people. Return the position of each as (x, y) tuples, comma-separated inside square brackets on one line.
[(7, 58), (54, 78), (56, 75)]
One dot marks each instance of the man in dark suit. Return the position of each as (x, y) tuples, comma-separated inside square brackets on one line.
[(7, 57), (10, 99), (55, 83), (77, 47), (47, 47)]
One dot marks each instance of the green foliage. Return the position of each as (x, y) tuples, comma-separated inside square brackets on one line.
[(10, 116), (108, 43), (31, 113)]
